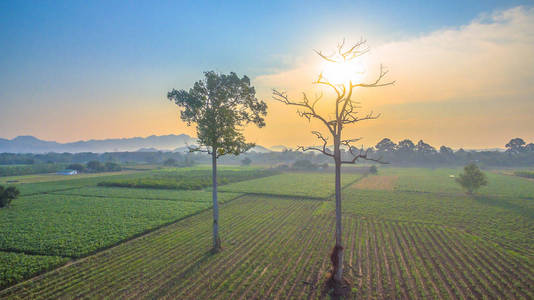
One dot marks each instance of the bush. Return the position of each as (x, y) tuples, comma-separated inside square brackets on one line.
[(95, 166), (7, 195), (112, 167), (525, 174), (373, 170), (78, 167), (246, 161), (472, 178), (303, 164)]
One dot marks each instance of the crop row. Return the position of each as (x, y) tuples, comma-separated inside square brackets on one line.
[(277, 248), (192, 180), (311, 185), (146, 194)]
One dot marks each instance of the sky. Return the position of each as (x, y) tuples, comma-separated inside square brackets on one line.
[(78, 70)]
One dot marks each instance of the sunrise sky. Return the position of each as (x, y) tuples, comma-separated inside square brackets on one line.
[(78, 70)]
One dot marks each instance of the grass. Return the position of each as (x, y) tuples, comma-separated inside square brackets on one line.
[(310, 185)]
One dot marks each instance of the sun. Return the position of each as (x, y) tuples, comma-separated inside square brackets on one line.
[(343, 72)]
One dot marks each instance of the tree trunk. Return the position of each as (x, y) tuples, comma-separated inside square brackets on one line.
[(216, 239), (338, 249)]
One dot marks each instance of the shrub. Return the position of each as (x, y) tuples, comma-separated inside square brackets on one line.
[(246, 161), (373, 169), (8, 194), (112, 167), (472, 178), (303, 164), (77, 167)]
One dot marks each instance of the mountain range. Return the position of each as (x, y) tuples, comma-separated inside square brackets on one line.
[(171, 142)]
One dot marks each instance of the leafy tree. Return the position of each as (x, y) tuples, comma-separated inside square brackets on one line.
[(472, 178), (424, 148), (344, 112), (515, 145), (77, 167), (406, 146), (385, 145), (7, 195), (220, 105), (529, 147), (444, 150), (303, 164), (112, 167), (95, 166), (246, 161)]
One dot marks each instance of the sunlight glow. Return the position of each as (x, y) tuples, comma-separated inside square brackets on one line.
[(343, 72)]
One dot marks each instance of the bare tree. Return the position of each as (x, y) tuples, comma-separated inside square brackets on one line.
[(346, 113)]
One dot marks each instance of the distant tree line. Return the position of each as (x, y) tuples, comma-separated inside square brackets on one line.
[(404, 153), (117, 157)]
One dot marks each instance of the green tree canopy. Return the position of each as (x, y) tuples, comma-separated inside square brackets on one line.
[(8, 194), (472, 178), (220, 105)]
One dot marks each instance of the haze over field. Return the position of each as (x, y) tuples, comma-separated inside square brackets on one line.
[(73, 71)]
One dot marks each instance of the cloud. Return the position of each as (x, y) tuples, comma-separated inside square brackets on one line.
[(490, 57), (471, 85)]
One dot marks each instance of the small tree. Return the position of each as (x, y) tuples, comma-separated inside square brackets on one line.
[(7, 195), (220, 105), (472, 178), (373, 170), (246, 161)]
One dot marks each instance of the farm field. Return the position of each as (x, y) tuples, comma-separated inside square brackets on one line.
[(147, 194), (409, 234), (67, 217), (277, 248), (310, 185)]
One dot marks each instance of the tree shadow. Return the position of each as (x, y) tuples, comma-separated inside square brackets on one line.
[(180, 275)]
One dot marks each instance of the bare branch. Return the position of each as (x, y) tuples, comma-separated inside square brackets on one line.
[(324, 150), (361, 153), (383, 73), (309, 109), (323, 81), (328, 58)]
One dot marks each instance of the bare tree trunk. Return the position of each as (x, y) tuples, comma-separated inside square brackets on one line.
[(338, 249), (216, 239)]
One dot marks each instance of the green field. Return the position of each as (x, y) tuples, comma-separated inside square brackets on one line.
[(310, 185), (185, 179), (409, 233), (147, 194), (277, 249)]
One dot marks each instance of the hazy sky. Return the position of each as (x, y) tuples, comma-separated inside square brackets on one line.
[(77, 70)]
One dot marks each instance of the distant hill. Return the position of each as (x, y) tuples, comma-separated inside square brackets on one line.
[(31, 144)]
